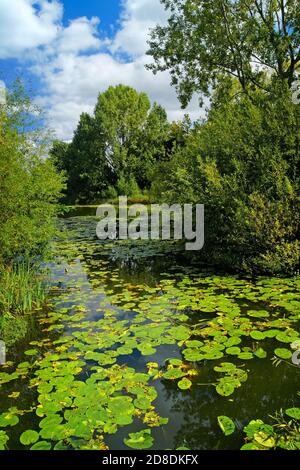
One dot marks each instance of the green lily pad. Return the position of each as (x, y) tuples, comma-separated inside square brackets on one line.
[(225, 389), (3, 440), (264, 439), (42, 445), (226, 424), (185, 384), (233, 351), (140, 440), (29, 437), (283, 353), (8, 419), (293, 413), (260, 353), (257, 335), (180, 333)]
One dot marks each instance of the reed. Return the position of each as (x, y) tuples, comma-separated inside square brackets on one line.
[(22, 288)]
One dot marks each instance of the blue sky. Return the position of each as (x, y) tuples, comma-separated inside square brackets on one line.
[(68, 51), (107, 10)]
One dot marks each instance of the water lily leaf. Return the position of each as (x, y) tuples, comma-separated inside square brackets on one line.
[(172, 362), (264, 439), (245, 356), (193, 355), (29, 437), (283, 353), (173, 374), (258, 313), (260, 353), (8, 419), (3, 440), (226, 424), (180, 333), (142, 403), (42, 445), (287, 336), (140, 440), (257, 335), (250, 446), (185, 384), (51, 420), (214, 355), (31, 352), (225, 388), (256, 426), (194, 344), (54, 432), (233, 341), (234, 351), (293, 413)]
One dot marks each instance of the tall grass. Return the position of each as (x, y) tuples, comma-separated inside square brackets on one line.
[(22, 288)]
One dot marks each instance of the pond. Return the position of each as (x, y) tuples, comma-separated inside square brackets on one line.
[(139, 347)]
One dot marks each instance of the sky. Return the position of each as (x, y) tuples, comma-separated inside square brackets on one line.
[(69, 51)]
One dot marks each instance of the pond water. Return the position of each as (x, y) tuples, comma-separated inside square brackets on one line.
[(134, 341)]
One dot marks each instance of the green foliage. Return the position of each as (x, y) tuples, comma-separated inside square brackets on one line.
[(226, 424), (243, 164), (140, 440), (30, 187), (29, 437), (282, 435), (203, 42), (113, 152)]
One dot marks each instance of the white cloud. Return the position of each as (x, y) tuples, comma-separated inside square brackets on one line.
[(75, 65), (80, 35), (26, 24), (138, 17), (2, 92)]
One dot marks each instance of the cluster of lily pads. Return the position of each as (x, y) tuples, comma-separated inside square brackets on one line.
[(85, 391), (283, 434)]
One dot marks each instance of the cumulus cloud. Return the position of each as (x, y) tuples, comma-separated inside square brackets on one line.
[(26, 24), (74, 65), (136, 20), (2, 92), (80, 35)]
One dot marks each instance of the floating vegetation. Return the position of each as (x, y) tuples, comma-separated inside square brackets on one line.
[(121, 345)]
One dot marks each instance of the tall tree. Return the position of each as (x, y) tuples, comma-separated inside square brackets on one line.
[(115, 150), (205, 40)]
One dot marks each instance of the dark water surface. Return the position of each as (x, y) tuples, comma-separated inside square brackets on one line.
[(111, 295)]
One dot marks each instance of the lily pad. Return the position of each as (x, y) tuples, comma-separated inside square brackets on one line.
[(226, 424), (185, 384), (29, 437), (283, 353), (140, 440)]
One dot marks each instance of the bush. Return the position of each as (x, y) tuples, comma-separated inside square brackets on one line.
[(244, 165)]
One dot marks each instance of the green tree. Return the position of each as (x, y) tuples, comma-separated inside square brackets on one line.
[(115, 150), (122, 113), (206, 40), (244, 165), (84, 162), (29, 184)]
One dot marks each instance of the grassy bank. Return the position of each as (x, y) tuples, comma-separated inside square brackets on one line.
[(22, 289)]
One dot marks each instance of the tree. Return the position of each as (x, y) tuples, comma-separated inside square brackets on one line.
[(244, 165), (115, 150), (84, 162), (207, 40), (122, 113), (30, 186)]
